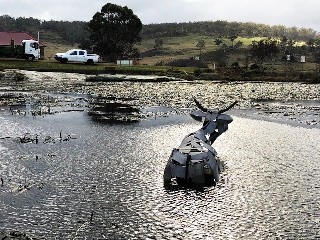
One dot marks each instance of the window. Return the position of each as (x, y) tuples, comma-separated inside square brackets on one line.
[(73, 53), (81, 53), (34, 45)]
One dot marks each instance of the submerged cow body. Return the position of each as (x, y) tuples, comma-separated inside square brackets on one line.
[(195, 160)]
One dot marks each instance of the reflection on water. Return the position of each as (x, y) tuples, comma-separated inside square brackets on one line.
[(106, 182), (114, 112)]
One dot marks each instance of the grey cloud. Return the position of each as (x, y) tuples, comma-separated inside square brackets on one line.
[(273, 12)]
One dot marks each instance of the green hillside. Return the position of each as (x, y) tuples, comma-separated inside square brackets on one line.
[(225, 48), (185, 47)]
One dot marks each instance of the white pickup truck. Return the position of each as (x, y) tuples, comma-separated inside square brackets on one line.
[(77, 55)]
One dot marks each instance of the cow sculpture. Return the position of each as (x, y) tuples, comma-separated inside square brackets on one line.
[(195, 160)]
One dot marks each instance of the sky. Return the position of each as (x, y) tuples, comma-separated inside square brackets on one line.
[(289, 13)]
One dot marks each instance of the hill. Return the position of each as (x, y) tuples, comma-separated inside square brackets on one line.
[(76, 32), (218, 43)]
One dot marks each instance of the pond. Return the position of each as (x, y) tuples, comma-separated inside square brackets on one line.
[(77, 178)]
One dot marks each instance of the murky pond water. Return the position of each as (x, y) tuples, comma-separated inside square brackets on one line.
[(83, 179)]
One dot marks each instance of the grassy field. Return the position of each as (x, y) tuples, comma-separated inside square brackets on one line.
[(99, 68), (185, 47), (174, 48), (52, 48)]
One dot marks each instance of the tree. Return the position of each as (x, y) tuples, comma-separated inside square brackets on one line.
[(218, 41), (114, 31), (283, 43), (238, 45), (311, 44), (264, 49), (201, 45), (290, 45), (220, 57), (7, 23), (232, 38), (158, 44)]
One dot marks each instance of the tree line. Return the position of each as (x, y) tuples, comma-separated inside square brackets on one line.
[(77, 31), (52, 31), (224, 28), (261, 51)]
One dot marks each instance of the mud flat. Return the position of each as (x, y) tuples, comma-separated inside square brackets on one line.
[(296, 103)]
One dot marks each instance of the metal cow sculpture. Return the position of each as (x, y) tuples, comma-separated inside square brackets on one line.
[(195, 160)]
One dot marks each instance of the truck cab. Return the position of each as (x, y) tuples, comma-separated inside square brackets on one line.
[(26, 49), (31, 49), (77, 55)]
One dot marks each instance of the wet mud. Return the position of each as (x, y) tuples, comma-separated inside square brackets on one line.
[(48, 93)]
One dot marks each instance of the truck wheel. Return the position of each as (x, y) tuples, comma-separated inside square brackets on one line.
[(90, 61), (64, 60), (29, 58)]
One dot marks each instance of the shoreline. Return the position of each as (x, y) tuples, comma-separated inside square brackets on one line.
[(160, 73)]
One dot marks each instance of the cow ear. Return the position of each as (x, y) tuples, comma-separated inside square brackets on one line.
[(197, 115)]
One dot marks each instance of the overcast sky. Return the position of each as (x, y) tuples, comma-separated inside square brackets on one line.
[(299, 13)]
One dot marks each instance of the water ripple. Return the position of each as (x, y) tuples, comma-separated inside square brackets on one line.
[(112, 175)]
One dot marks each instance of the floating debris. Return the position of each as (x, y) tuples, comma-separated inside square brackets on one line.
[(35, 138)]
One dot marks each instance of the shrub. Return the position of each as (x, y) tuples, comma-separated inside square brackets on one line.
[(197, 72), (235, 65)]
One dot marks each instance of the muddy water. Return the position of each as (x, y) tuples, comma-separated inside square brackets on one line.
[(84, 179)]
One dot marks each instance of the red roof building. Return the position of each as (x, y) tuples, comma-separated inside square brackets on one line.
[(5, 38)]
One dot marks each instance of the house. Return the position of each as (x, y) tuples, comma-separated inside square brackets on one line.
[(17, 37)]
